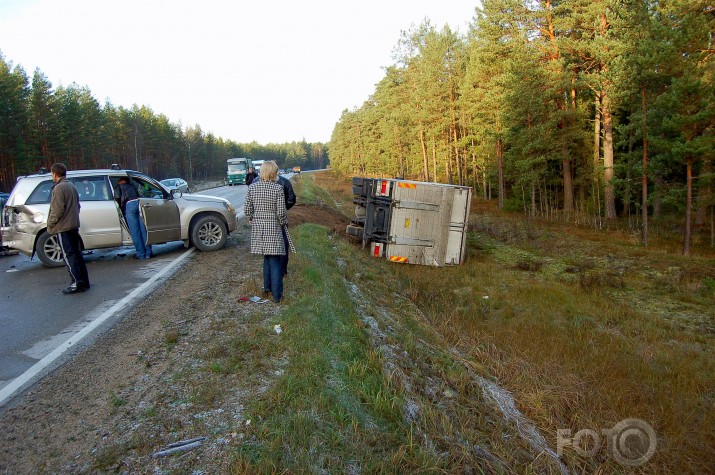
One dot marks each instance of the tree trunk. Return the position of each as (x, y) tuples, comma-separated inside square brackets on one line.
[(460, 177), (627, 187), (434, 162), (568, 182), (658, 196), (688, 209), (136, 146), (500, 168), (610, 197), (485, 185), (705, 191), (609, 194), (597, 155), (448, 162), (644, 177), (597, 138), (454, 126), (425, 162)]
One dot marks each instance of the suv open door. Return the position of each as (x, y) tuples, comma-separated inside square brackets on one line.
[(158, 210)]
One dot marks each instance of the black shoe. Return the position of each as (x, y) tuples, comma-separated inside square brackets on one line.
[(135, 257), (75, 289)]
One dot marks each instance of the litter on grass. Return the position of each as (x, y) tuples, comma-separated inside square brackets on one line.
[(182, 446)]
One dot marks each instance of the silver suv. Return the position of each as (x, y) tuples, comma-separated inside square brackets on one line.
[(169, 215)]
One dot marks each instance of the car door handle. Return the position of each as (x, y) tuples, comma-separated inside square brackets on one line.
[(147, 206)]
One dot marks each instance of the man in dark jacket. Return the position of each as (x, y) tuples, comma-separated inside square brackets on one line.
[(63, 220), (250, 176), (290, 202)]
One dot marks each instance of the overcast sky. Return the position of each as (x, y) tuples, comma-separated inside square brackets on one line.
[(270, 71)]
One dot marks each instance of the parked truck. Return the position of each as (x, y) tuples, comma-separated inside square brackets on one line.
[(236, 169), (411, 222)]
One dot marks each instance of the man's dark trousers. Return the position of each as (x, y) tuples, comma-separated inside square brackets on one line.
[(284, 257), (70, 244)]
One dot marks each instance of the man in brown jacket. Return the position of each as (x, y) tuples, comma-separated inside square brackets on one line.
[(63, 220)]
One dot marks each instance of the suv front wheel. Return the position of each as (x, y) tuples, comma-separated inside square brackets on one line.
[(209, 233), (48, 250)]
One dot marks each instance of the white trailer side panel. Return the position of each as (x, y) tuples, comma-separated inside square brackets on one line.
[(457, 237), (428, 223)]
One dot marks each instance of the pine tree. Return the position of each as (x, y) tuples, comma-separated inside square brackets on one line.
[(492, 37), (14, 121)]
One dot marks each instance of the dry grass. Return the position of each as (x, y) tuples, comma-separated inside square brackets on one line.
[(586, 328)]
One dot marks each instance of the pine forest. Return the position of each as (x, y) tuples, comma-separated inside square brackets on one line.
[(589, 111), (40, 125)]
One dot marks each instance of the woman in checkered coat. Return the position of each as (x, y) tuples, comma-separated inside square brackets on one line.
[(265, 210)]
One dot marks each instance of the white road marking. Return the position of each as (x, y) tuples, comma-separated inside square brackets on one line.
[(20, 381)]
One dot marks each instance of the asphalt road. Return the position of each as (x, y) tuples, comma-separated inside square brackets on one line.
[(35, 317)]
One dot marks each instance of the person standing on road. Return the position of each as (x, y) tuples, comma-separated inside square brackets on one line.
[(127, 196), (250, 176), (265, 209), (63, 220), (290, 200)]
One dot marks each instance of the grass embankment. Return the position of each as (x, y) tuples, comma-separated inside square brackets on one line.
[(385, 365)]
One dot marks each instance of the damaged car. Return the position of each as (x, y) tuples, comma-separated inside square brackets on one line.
[(202, 221)]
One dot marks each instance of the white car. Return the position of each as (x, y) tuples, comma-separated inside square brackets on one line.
[(176, 184)]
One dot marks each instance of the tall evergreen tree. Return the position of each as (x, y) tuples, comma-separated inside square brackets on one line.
[(14, 122)]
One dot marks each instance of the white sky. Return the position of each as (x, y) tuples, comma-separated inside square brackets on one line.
[(272, 71)]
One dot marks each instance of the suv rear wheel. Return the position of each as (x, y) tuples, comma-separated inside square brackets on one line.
[(209, 234), (48, 250)]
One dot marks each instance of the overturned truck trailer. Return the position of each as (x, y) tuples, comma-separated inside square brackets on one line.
[(411, 222)]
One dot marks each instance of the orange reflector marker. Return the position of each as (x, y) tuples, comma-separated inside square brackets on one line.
[(377, 250), (406, 185), (400, 259)]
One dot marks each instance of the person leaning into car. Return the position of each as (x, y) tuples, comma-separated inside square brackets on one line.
[(63, 220), (127, 196)]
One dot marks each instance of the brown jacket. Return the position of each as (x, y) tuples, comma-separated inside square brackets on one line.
[(64, 208)]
